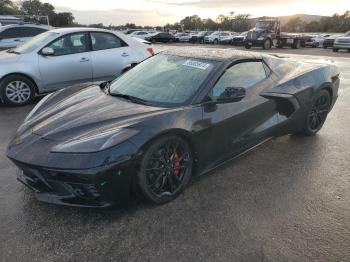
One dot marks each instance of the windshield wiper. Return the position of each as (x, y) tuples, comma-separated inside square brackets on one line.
[(12, 51), (130, 98)]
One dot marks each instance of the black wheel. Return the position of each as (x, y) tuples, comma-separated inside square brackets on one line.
[(247, 46), (165, 169), (321, 104), (153, 40), (216, 42), (171, 40), (17, 90), (201, 41), (267, 44), (348, 50), (335, 50)]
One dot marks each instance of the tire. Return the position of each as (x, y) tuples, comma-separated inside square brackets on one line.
[(171, 40), (317, 113), (170, 174), (216, 42), (348, 50), (267, 44), (247, 46), (324, 47), (335, 50), (201, 41), (17, 90)]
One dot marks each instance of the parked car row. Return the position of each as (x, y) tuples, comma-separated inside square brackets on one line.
[(64, 57)]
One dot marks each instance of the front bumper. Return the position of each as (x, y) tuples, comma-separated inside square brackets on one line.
[(254, 42), (97, 187)]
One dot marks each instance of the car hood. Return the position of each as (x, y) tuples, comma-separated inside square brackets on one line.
[(90, 110), (343, 38), (6, 57)]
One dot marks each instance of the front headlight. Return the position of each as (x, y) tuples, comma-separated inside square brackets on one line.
[(95, 142)]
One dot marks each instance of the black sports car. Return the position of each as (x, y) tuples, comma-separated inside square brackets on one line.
[(177, 114)]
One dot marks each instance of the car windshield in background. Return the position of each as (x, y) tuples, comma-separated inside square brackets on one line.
[(264, 24), (36, 42), (164, 79), (347, 34)]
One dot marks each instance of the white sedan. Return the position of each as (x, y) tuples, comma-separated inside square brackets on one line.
[(182, 37), (64, 57)]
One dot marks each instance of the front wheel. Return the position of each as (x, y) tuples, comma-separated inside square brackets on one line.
[(247, 46), (17, 90), (267, 44), (165, 169), (335, 50), (317, 115)]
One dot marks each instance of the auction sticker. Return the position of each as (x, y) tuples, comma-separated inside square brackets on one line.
[(196, 64)]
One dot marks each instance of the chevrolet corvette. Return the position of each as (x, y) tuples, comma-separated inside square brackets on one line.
[(178, 114)]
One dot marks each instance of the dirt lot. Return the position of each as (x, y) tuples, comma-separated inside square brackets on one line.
[(288, 200)]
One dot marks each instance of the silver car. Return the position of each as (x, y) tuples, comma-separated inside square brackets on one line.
[(64, 57)]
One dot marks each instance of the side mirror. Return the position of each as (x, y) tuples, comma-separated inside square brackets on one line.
[(232, 94), (47, 51)]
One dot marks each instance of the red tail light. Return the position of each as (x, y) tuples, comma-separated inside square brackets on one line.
[(150, 50)]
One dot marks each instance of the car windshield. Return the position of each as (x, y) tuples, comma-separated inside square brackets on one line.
[(347, 34), (35, 42), (164, 79), (215, 33), (265, 24)]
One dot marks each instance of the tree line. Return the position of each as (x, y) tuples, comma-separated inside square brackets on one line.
[(37, 8), (231, 22)]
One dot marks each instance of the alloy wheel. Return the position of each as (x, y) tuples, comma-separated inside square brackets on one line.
[(318, 113), (18, 92), (168, 167)]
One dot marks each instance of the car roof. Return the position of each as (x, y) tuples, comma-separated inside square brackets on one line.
[(78, 29), (219, 54), (22, 25)]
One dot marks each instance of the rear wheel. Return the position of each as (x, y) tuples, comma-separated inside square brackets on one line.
[(216, 42), (335, 50), (321, 104), (17, 90), (247, 46), (165, 169)]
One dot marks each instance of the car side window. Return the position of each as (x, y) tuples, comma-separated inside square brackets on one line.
[(70, 44), (9, 33), (245, 74), (102, 41)]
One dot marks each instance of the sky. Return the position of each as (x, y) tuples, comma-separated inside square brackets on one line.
[(160, 12)]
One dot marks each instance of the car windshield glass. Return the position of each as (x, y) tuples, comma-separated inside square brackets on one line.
[(347, 34), (35, 42), (264, 24), (215, 33), (164, 79)]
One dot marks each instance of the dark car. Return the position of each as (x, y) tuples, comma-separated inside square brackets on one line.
[(239, 39), (199, 37), (178, 114), (329, 41), (162, 37)]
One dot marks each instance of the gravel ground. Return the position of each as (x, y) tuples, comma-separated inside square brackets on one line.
[(287, 200)]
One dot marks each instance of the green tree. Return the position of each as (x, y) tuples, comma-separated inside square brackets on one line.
[(241, 23), (7, 7), (294, 24), (64, 19)]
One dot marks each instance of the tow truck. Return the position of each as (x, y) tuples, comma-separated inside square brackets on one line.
[(267, 33)]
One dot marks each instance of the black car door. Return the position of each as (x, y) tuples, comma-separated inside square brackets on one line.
[(235, 126)]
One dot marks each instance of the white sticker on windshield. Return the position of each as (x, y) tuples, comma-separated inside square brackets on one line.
[(196, 64)]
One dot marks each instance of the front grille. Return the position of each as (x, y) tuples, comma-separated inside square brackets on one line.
[(343, 41), (59, 183)]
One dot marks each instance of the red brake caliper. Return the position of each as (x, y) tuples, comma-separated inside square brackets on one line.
[(177, 163)]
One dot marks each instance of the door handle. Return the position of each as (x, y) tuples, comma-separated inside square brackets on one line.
[(84, 59), (125, 54)]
